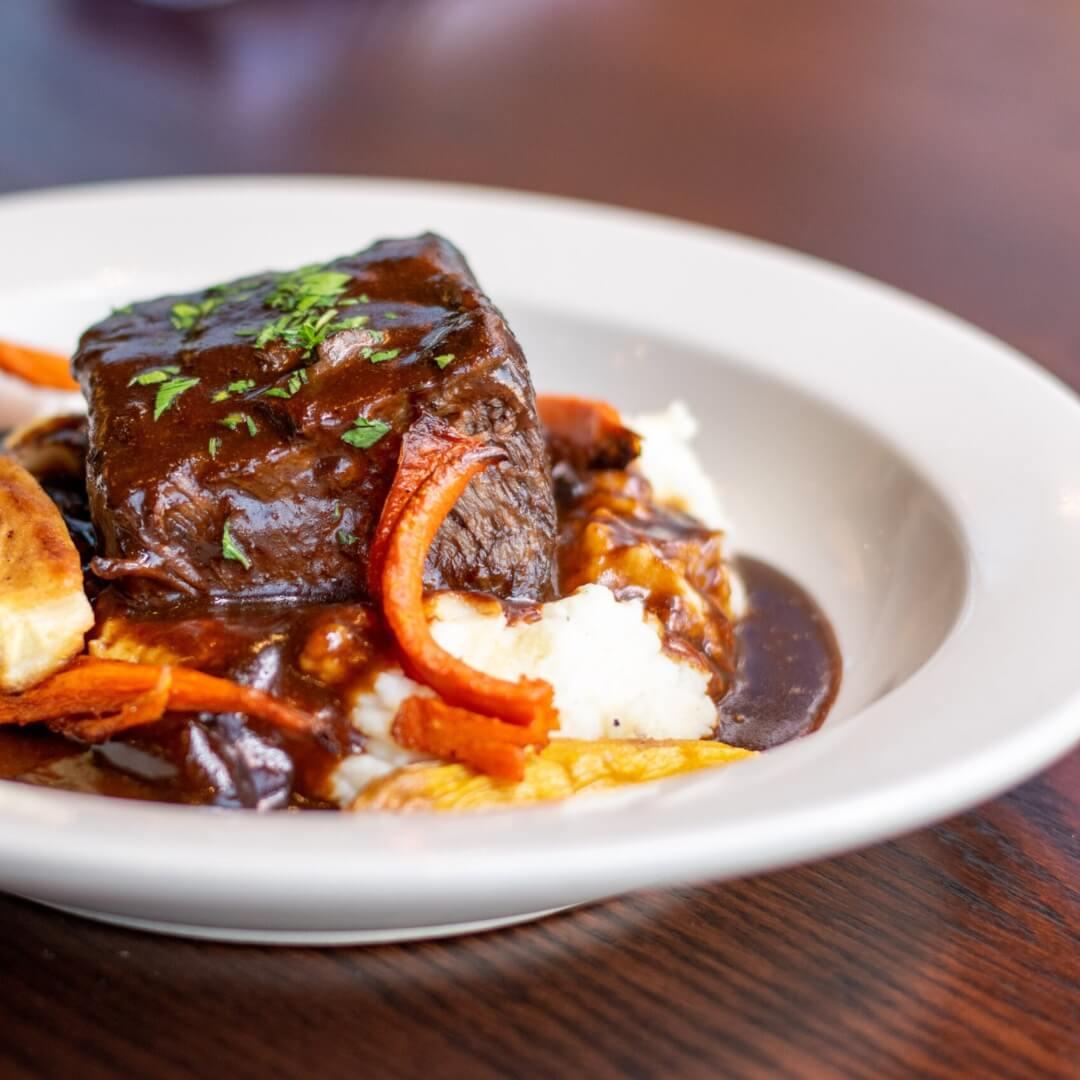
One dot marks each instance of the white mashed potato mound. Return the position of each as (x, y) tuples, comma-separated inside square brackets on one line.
[(671, 466), (603, 657)]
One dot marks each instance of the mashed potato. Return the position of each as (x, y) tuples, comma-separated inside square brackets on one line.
[(603, 657), (605, 660)]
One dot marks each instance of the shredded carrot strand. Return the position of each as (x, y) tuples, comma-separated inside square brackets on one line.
[(403, 601), (36, 367), (423, 446), (491, 746), (103, 689), (145, 709)]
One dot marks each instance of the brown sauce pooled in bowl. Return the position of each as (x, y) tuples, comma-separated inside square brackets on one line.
[(774, 673), (787, 669)]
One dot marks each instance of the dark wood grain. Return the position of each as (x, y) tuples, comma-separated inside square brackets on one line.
[(933, 144)]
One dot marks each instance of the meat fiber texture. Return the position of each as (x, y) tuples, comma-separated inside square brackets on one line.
[(243, 439)]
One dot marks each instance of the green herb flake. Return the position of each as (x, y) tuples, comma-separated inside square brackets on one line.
[(337, 511), (241, 386), (127, 309), (233, 420), (185, 316), (221, 395), (231, 550), (445, 360), (386, 354), (154, 376), (169, 391), (215, 446), (346, 539), (365, 433), (354, 322), (253, 428), (277, 392), (390, 315)]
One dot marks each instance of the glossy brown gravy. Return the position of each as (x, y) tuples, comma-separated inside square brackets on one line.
[(786, 678)]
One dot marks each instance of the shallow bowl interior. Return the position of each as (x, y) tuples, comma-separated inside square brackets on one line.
[(805, 486)]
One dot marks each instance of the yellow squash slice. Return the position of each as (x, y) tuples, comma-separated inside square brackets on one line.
[(563, 768)]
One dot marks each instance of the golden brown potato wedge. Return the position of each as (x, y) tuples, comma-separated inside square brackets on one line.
[(44, 613)]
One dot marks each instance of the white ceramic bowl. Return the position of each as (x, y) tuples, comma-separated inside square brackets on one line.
[(920, 478)]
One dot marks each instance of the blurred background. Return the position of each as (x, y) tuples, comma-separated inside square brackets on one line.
[(931, 143)]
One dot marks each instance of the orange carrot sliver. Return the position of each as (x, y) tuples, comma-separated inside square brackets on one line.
[(104, 688), (36, 366), (403, 601), (491, 746)]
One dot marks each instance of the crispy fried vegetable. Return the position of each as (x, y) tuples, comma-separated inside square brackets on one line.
[(491, 746), (114, 695), (563, 768), (456, 682), (36, 367), (44, 612)]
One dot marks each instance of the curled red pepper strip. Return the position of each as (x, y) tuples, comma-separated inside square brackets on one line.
[(520, 702)]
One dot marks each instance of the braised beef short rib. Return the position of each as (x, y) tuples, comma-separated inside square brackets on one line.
[(243, 439)]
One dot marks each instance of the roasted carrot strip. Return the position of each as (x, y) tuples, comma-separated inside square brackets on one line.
[(146, 709), (36, 367), (104, 688), (491, 746), (403, 602), (590, 432), (427, 443)]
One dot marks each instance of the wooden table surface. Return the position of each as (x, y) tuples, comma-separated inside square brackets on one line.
[(934, 144)]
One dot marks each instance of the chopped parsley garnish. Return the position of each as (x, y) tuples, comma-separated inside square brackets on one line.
[(241, 386), (390, 315), (386, 354), (154, 376), (127, 309), (445, 360), (221, 395), (185, 316), (337, 511), (231, 550), (234, 420), (354, 322), (169, 391), (215, 446), (296, 380), (346, 539), (307, 289), (310, 298), (365, 433)]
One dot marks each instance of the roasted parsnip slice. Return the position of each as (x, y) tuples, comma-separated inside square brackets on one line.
[(44, 613)]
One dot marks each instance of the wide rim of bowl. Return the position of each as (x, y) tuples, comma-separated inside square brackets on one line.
[(969, 727)]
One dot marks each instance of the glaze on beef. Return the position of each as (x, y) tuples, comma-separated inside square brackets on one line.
[(266, 441)]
